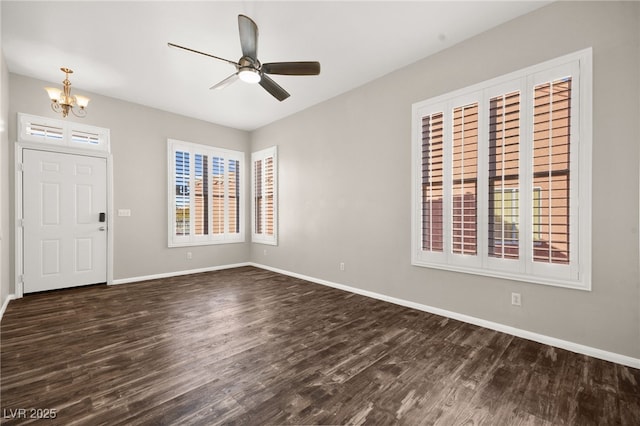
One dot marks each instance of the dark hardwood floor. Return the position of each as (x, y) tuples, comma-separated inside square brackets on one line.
[(248, 346)]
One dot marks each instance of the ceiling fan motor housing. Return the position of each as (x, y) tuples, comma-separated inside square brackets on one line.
[(248, 62)]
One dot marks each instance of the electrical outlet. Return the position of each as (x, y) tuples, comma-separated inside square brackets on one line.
[(189, 255), (516, 299), (265, 252), (342, 266)]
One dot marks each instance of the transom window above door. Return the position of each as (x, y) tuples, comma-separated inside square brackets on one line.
[(62, 133)]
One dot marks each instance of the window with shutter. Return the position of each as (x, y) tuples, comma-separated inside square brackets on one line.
[(264, 191), (205, 194), (497, 173), (65, 133)]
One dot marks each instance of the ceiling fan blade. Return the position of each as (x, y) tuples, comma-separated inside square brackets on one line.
[(202, 53), (224, 83), (272, 87), (248, 36), (292, 68)]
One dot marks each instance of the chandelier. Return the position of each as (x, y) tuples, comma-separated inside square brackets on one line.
[(62, 101)]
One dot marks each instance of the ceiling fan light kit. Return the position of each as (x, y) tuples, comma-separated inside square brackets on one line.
[(249, 75), (250, 70), (63, 102)]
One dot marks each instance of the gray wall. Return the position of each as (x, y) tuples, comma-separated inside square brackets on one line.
[(344, 169), (139, 148), (5, 257)]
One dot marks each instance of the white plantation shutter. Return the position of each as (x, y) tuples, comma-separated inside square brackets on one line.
[(264, 194), (551, 171), (89, 138), (201, 195), (205, 194), (44, 132), (504, 176), (432, 182), (182, 196), (498, 170), (233, 197), (218, 194), (258, 198), (464, 173), (269, 195)]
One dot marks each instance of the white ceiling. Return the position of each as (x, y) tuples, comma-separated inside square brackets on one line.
[(119, 49)]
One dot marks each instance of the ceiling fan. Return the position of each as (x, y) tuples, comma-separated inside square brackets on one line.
[(250, 70)]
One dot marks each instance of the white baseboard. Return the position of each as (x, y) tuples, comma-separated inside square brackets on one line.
[(177, 273), (5, 304), (536, 337)]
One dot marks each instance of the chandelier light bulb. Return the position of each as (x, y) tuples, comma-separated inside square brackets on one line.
[(54, 93), (82, 101)]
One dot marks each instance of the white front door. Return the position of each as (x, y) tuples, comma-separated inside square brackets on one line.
[(65, 234)]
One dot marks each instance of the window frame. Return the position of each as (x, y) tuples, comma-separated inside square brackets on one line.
[(173, 240), (577, 274), (262, 155)]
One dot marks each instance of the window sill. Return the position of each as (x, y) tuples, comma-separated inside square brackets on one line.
[(204, 243), (584, 284)]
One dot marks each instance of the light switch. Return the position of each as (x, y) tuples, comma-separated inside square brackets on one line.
[(124, 212)]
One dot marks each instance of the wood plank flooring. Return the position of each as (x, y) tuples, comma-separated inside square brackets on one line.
[(251, 347)]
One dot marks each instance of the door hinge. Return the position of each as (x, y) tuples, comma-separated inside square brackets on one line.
[(20, 167), (21, 223), (21, 279)]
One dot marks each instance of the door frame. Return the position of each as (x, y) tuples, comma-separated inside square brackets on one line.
[(19, 236)]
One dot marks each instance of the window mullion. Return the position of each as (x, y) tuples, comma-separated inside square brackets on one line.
[(263, 204), (482, 174), (210, 196), (258, 188), (430, 189), (502, 174), (192, 195), (226, 178), (526, 175), (447, 204)]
